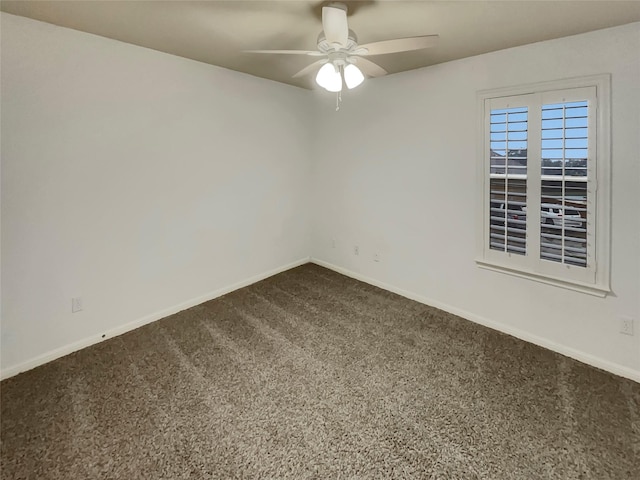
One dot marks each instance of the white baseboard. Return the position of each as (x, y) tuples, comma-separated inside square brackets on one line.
[(583, 357), (114, 332)]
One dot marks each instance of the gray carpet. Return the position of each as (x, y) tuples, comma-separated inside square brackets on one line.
[(310, 374)]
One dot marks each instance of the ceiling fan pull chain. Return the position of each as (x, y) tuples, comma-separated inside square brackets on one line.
[(338, 100)]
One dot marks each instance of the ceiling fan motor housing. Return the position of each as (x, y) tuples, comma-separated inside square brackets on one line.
[(326, 47)]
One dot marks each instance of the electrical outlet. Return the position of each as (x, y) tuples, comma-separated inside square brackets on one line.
[(376, 257), (333, 243), (76, 304), (356, 250), (626, 325)]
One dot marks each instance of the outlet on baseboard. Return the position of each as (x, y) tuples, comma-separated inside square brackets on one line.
[(76, 304), (356, 250), (376, 257), (626, 325)]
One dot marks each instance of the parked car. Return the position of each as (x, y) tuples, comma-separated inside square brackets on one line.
[(570, 217), (516, 215)]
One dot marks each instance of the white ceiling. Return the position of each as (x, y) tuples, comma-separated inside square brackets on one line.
[(217, 32)]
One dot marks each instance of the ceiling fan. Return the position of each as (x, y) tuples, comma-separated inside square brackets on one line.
[(342, 57)]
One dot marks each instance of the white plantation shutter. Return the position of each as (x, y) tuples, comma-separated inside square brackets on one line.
[(507, 124), (540, 185), (567, 183)]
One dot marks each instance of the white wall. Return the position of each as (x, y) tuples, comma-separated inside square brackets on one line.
[(395, 173), (140, 181)]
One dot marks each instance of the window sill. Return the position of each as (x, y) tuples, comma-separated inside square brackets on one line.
[(596, 290)]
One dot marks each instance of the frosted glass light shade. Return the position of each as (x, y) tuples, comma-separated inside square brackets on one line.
[(329, 78), (352, 76)]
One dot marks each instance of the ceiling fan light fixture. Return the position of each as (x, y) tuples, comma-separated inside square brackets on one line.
[(352, 76), (329, 78)]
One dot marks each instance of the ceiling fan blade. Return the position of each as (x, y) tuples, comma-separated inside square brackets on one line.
[(397, 45), (368, 67), (334, 24), (310, 68), (312, 53)]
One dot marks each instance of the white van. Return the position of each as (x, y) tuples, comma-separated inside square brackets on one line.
[(570, 217)]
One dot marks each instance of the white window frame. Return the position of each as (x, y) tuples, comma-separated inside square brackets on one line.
[(595, 279)]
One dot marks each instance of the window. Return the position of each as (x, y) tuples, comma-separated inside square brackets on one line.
[(544, 153)]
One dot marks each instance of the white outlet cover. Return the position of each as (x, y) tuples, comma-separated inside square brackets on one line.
[(626, 325)]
